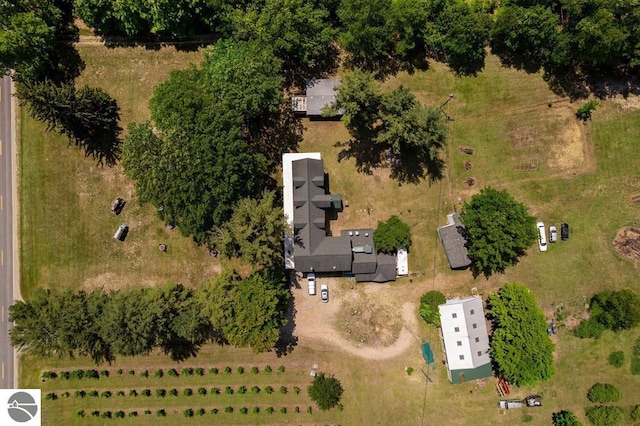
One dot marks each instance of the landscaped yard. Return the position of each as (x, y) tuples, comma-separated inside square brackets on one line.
[(563, 170)]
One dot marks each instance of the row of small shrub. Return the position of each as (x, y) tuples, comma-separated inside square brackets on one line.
[(635, 357), (189, 412), (161, 393), (172, 372)]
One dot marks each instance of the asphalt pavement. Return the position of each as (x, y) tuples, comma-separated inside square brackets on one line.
[(7, 353)]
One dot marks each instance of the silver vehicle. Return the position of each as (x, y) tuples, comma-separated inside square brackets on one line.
[(324, 293), (553, 234), (311, 283)]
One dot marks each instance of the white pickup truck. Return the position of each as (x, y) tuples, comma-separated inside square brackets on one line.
[(311, 282)]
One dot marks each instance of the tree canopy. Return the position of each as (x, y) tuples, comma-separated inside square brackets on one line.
[(392, 234), (428, 309), (565, 418), (219, 132), (499, 230), (521, 350), (325, 391), (254, 233), (390, 128), (616, 309)]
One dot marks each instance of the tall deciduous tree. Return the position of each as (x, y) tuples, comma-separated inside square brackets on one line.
[(296, 31), (254, 233), (616, 309), (428, 309), (325, 391), (520, 347), (392, 234), (499, 230)]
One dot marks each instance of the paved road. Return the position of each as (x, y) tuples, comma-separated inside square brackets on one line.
[(7, 354)]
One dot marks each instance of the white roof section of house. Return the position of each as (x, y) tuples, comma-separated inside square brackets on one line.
[(464, 331), (287, 180), (402, 262)]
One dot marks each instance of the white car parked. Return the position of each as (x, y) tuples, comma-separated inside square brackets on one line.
[(311, 283), (542, 236)]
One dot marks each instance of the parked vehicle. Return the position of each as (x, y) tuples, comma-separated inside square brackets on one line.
[(324, 293), (553, 234), (542, 237), (564, 231), (510, 403), (121, 233), (311, 283), (533, 401)]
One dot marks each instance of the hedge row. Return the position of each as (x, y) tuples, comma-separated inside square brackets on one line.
[(189, 412), (172, 372), (161, 393)]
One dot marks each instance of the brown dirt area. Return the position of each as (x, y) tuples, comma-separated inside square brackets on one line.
[(627, 243)]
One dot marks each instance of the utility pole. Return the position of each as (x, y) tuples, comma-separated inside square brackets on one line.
[(451, 96)]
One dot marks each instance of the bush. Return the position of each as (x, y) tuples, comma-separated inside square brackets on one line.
[(187, 392), (281, 369), (173, 372), (244, 410), (213, 370), (161, 393), (616, 310), (200, 412), (106, 414), (409, 370), (199, 371), (104, 373), (132, 372), (66, 394), (80, 413), (120, 414), (79, 394), (268, 390), (146, 392), (77, 374), (603, 392), (65, 375), (147, 412), (173, 392), (106, 394), (605, 416), (95, 413), (228, 390), (267, 369), (340, 407), (120, 393), (269, 410), (283, 390), (616, 359), (635, 360), (215, 411), (186, 371), (228, 409), (585, 111), (325, 391), (227, 369), (565, 418), (202, 391), (255, 370), (133, 392), (255, 390), (133, 414), (297, 409), (428, 308), (158, 373), (215, 391), (283, 410), (589, 329), (242, 390), (296, 390), (392, 235), (119, 371), (92, 374), (309, 410), (49, 375), (256, 410), (144, 373), (93, 393), (51, 396), (161, 413), (188, 412), (635, 413)]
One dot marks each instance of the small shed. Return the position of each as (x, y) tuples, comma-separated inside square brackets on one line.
[(320, 94), (454, 243)]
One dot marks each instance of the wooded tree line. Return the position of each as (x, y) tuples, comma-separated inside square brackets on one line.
[(244, 312)]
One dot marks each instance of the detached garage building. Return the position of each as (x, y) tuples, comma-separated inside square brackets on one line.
[(465, 339)]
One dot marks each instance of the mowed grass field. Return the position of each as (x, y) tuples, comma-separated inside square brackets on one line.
[(563, 170)]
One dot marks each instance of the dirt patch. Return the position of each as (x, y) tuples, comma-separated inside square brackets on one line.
[(522, 137), (630, 102), (627, 243)]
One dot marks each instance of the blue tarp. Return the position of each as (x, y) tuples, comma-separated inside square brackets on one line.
[(427, 354)]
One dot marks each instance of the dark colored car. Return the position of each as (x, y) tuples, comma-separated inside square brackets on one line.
[(564, 231)]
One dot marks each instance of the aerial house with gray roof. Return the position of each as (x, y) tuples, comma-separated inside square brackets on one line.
[(308, 205), (454, 242), (320, 93)]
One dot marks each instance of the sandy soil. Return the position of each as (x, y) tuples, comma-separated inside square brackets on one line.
[(314, 322)]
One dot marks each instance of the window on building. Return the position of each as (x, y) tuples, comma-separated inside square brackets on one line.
[(459, 342), (454, 315), (479, 353), (457, 329), (461, 357), (475, 325), (472, 312), (477, 339)]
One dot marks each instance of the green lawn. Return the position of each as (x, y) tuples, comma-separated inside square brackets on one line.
[(563, 170)]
